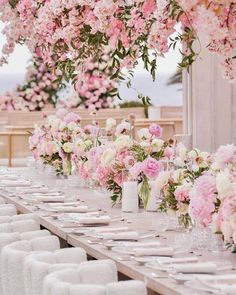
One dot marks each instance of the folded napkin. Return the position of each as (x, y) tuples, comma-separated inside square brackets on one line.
[(200, 267), (78, 209), (47, 198), (112, 229), (32, 190), (168, 260), (8, 177), (129, 235), (15, 183), (165, 251), (94, 220), (140, 244)]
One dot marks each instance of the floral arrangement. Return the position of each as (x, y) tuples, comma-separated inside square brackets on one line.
[(55, 141), (175, 185), (40, 88), (94, 88), (142, 159), (66, 34), (213, 200)]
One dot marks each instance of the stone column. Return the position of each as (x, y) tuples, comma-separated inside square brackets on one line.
[(209, 104)]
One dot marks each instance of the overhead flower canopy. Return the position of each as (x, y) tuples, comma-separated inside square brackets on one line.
[(66, 33)]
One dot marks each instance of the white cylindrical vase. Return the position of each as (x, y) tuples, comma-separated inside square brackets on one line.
[(130, 201), (152, 204)]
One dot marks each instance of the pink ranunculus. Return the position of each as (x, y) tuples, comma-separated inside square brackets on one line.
[(155, 130), (129, 162), (151, 167), (182, 194)]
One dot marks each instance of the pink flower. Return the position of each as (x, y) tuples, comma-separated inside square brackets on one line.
[(72, 117), (102, 174), (224, 155), (118, 178), (182, 194), (169, 152), (149, 7), (151, 167), (201, 211), (155, 130), (136, 170), (205, 187)]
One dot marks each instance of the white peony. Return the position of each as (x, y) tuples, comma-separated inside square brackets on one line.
[(110, 124), (144, 133), (108, 157), (68, 147), (123, 141), (223, 184)]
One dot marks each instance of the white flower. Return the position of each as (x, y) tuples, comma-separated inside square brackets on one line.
[(182, 151), (72, 126), (178, 175), (144, 133), (144, 144), (123, 141), (223, 184), (108, 157), (157, 144), (110, 124), (193, 154), (178, 162), (79, 144), (123, 127), (88, 142), (68, 147), (55, 147), (162, 179)]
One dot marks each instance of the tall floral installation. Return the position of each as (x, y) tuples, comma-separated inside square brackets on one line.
[(66, 34), (40, 89)]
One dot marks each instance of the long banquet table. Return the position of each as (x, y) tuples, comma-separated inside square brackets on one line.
[(141, 221)]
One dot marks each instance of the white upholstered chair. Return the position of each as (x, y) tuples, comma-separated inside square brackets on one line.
[(12, 258), (38, 265), (19, 226), (7, 210)]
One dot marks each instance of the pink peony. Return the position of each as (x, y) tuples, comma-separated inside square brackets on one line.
[(151, 167), (155, 130)]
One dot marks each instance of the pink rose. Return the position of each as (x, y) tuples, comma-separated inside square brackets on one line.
[(182, 194), (103, 173), (151, 167), (136, 170), (169, 152), (155, 130)]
